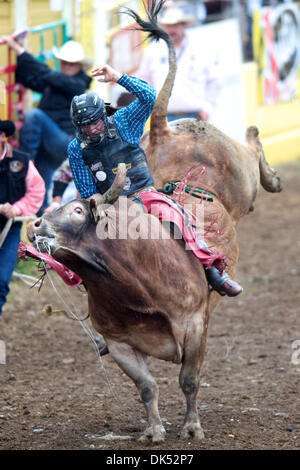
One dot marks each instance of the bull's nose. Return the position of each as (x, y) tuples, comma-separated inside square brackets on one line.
[(38, 222), (33, 227)]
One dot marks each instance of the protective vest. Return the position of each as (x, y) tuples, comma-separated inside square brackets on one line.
[(13, 172), (103, 158)]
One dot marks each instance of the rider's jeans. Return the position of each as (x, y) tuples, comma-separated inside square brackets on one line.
[(8, 260)]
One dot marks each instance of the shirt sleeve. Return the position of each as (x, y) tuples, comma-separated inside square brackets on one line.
[(131, 120), (30, 72), (37, 75), (31, 202), (82, 178)]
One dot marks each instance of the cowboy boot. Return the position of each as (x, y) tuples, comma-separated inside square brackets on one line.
[(222, 283)]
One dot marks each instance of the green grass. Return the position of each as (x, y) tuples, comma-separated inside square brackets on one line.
[(27, 267)]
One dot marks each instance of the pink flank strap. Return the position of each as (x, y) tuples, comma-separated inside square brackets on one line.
[(70, 278), (161, 206)]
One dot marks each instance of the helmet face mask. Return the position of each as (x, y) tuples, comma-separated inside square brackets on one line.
[(92, 130), (89, 117)]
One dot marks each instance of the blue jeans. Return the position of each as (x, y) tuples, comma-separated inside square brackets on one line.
[(46, 144), (8, 260)]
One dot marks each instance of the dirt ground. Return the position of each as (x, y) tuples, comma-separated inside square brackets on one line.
[(56, 394)]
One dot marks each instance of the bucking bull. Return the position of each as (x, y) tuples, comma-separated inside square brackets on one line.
[(150, 296)]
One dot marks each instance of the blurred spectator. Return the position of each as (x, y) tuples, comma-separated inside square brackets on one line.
[(62, 180), (196, 8), (196, 82), (47, 130), (22, 191)]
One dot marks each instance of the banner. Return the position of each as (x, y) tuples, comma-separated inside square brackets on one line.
[(276, 48)]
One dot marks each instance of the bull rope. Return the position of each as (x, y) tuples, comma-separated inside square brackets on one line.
[(211, 230)]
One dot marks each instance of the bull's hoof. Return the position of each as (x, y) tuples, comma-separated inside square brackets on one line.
[(276, 183), (193, 431), (156, 434)]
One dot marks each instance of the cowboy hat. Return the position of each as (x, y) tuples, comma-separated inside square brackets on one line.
[(7, 127), (174, 15), (72, 51)]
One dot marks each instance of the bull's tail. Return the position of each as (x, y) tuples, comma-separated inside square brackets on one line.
[(150, 26), (268, 179)]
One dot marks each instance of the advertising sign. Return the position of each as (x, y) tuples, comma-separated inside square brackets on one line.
[(276, 34)]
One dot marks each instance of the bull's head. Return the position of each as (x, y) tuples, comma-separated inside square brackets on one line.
[(68, 233)]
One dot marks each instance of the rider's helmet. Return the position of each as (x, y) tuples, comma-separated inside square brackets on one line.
[(89, 117)]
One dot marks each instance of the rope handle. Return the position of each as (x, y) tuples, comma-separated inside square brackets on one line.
[(7, 226), (170, 187)]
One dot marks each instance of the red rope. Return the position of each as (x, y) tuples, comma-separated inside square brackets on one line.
[(212, 233)]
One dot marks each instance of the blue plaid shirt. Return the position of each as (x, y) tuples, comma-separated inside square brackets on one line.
[(130, 122)]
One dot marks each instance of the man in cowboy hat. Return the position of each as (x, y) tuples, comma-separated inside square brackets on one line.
[(22, 191), (47, 130), (196, 83)]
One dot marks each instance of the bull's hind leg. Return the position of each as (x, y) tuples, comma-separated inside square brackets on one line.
[(194, 352), (132, 362)]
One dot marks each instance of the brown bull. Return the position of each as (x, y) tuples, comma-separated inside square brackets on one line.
[(147, 297), (150, 297)]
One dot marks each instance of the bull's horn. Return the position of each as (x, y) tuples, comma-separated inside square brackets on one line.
[(112, 194)]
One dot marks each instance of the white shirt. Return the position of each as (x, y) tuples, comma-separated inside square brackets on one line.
[(197, 78)]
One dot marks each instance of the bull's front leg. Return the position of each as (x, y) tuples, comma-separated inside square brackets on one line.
[(132, 362)]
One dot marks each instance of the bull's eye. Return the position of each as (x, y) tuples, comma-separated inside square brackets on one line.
[(77, 214)]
